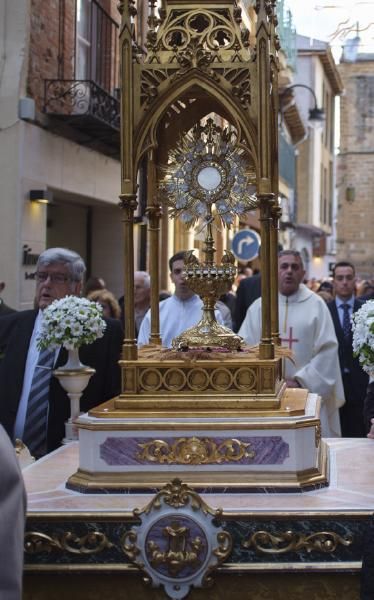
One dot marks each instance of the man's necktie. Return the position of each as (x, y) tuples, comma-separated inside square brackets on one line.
[(35, 431), (346, 320)]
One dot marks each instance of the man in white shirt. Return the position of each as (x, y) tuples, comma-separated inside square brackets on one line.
[(306, 328), (179, 312)]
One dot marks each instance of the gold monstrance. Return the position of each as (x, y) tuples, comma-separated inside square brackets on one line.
[(208, 168)]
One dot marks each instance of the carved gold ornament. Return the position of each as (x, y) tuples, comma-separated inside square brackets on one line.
[(182, 550), (289, 541), (92, 543), (178, 544), (208, 167), (194, 451)]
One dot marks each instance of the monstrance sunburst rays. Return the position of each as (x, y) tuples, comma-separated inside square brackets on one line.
[(206, 168)]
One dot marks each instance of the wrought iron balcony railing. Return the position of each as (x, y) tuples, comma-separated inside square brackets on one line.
[(85, 107), (70, 98)]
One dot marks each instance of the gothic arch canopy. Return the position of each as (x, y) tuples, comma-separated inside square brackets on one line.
[(183, 104)]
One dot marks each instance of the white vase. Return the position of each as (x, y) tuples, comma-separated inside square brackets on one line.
[(73, 363), (73, 377)]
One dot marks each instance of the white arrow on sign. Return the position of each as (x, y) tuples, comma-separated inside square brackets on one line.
[(248, 241)]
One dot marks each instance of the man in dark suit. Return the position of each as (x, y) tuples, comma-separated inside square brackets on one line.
[(355, 380), (4, 308), (248, 291), (59, 272)]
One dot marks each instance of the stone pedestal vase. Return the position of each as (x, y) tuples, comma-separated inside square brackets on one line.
[(74, 378)]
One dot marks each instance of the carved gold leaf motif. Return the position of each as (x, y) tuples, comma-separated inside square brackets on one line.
[(92, 543), (289, 541), (194, 451)]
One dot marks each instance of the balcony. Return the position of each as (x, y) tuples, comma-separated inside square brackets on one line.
[(86, 108), (82, 103)]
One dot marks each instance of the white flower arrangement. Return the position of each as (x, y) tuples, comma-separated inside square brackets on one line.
[(363, 336), (71, 322)]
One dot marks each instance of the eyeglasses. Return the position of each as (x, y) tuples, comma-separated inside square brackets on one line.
[(58, 278)]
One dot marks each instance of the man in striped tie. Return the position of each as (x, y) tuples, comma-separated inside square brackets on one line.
[(33, 405)]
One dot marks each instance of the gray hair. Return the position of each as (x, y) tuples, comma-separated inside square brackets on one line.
[(63, 256), (146, 278), (294, 253)]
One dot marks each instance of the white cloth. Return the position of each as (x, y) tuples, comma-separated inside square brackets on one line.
[(306, 327), (175, 317)]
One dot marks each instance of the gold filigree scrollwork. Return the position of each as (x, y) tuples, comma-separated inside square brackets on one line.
[(240, 80), (92, 543), (128, 545), (289, 541), (194, 451), (177, 495), (221, 552), (150, 80), (212, 30)]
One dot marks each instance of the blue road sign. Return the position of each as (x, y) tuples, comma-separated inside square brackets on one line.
[(245, 245)]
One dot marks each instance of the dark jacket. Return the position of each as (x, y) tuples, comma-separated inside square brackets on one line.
[(5, 309), (369, 407), (356, 382), (103, 355), (248, 291)]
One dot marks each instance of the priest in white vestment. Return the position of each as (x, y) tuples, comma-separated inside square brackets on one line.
[(179, 312), (307, 329)]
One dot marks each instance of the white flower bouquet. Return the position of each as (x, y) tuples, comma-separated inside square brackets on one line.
[(363, 336), (71, 322)]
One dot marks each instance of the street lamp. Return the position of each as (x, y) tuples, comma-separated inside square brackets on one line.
[(316, 115)]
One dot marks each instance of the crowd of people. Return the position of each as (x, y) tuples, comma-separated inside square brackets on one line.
[(314, 318), (314, 323)]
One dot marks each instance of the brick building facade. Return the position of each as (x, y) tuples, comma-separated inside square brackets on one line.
[(60, 138), (355, 180)]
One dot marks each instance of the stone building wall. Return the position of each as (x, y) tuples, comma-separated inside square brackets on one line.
[(355, 176)]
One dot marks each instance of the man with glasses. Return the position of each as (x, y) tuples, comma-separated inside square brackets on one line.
[(59, 273), (355, 380)]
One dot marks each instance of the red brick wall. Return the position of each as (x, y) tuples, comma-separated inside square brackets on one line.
[(44, 59), (52, 43)]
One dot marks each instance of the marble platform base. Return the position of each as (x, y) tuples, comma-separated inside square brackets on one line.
[(295, 546), (209, 454)]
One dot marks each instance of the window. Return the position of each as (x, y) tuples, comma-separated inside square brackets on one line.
[(97, 56), (84, 36)]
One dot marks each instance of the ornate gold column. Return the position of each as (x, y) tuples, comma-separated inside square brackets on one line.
[(128, 201), (266, 344), (154, 214), (265, 176), (276, 214), (128, 205), (276, 210)]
